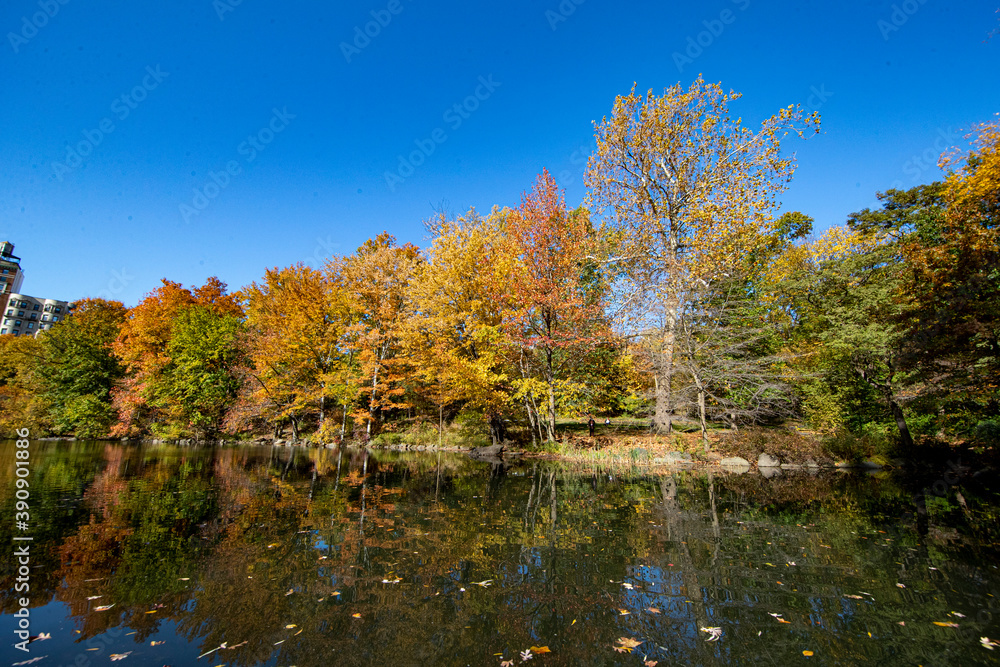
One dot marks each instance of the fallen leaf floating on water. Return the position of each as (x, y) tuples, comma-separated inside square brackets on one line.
[(391, 581), (901, 585), (484, 583), (902, 623), (120, 656), (540, 649), (506, 663), (526, 655), (184, 579), (987, 643), (650, 663), (714, 633), (945, 624), (290, 626), (355, 615), (652, 610), (95, 597), (854, 597), (29, 662), (626, 644), (220, 646), (955, 613), (156, 643), (104, 607), (623, 612), (808, 654), (290, 591), (627, 585)]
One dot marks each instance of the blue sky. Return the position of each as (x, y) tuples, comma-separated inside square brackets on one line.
[(287, 117)]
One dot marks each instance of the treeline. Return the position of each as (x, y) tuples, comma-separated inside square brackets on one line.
[(673, 294)]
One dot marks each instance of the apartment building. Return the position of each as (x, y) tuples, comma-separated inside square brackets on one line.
[(11, 275), (28, 316)]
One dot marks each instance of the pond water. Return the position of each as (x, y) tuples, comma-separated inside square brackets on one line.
[(279, 556)]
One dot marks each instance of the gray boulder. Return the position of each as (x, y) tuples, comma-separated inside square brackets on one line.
[(735, 464), (765, 460)]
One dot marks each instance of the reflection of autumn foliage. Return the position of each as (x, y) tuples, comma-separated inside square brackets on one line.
[(295, 556)]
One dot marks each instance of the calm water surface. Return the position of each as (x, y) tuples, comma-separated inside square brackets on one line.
[(304, 557)]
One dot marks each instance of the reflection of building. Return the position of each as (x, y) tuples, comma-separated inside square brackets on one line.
[(23, 315), (11, 275), (26, 315)]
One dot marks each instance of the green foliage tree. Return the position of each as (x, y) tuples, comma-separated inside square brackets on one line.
[(200, 382), (78, 369)]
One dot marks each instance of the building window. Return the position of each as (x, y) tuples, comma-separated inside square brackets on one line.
[(36, 307), (31, 325), (55, 318), (34, 317), (20, 313), (17, 323), (2, 331), (45, 318), (58, 310)]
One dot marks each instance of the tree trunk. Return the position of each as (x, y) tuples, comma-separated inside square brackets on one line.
[(897, 414), (532, 421), (701, 415), (665, 368), (497, 432), (550, 417)]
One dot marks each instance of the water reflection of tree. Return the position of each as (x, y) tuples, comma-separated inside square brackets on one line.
[(268, 537)]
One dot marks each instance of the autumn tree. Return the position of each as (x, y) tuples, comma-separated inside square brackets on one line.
[(953, 284), (21, 402), (556, 316), (374, 282), (687, 189), (296, 321), (454, 333), (143, 346)]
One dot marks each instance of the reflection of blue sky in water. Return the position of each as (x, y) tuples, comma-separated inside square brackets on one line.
[(196, 547)]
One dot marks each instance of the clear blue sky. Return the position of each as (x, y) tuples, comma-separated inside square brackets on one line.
[(200, 77)]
